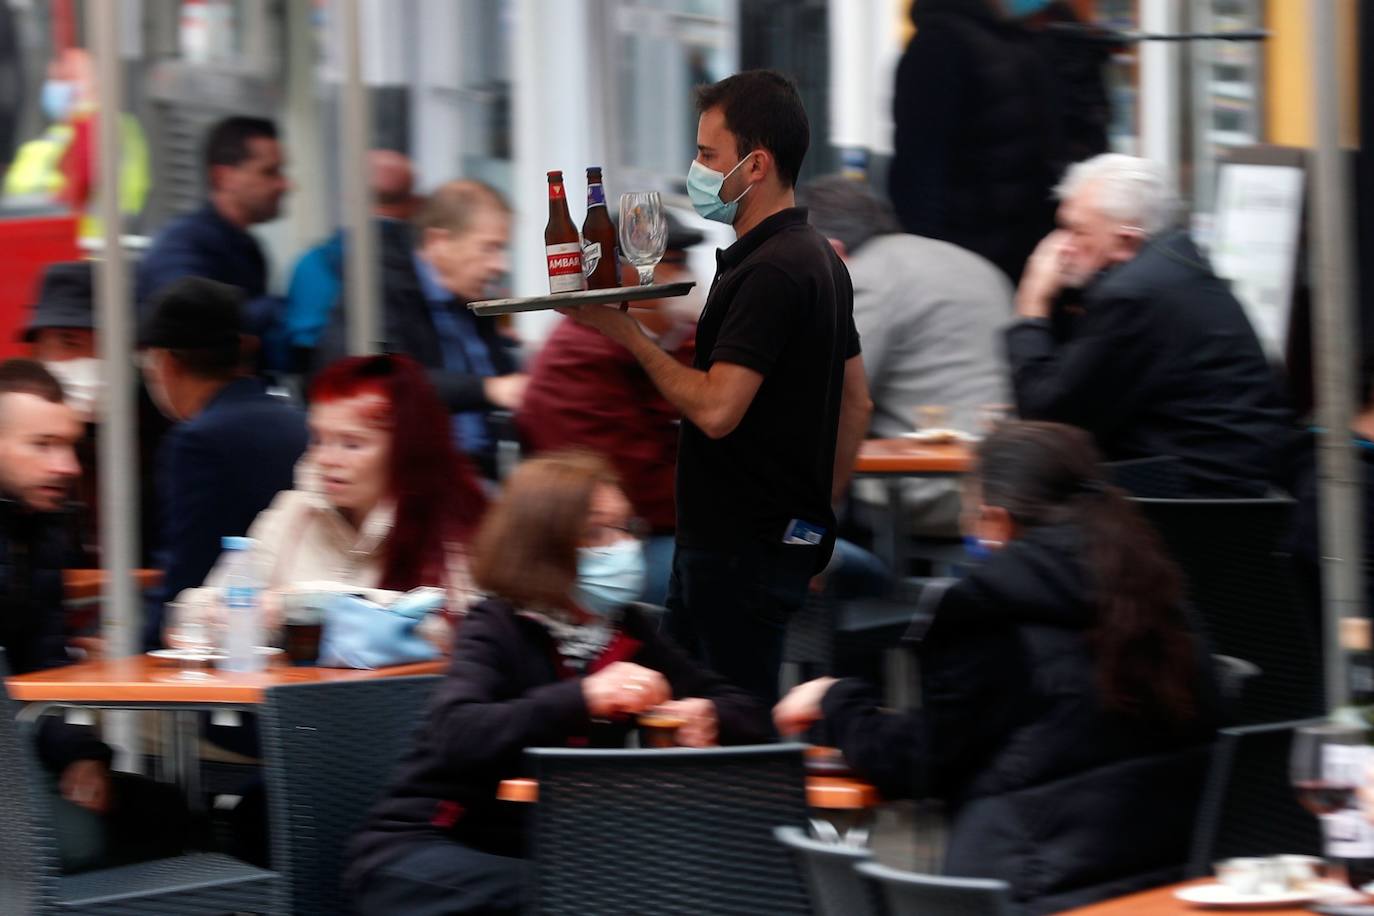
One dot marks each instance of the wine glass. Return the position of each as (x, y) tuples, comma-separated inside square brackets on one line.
[(1326, 766), (191, 633), (643, 232)]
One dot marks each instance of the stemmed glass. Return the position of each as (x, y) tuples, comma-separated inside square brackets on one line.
[(190, 631), (643, 232), (1326, 766)]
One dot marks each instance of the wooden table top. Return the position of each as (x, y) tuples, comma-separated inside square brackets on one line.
[(142, 679), (1160, 901), (84, 584), (896, 457), (831, 793)]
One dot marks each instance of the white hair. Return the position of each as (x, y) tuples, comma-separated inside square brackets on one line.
[(1137, 192)]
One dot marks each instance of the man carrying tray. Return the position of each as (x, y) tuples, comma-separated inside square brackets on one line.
[(776, 401)]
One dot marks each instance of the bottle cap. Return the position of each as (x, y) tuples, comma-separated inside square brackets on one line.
[(232, 543), (555, 176)]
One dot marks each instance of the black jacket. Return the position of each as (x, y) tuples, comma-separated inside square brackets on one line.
[(34, 549), (1048, 791), (502, 694), (408, 326), (1162, 362), (976, 146)]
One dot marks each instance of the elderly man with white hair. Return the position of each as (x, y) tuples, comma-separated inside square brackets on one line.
[(1162, 360)]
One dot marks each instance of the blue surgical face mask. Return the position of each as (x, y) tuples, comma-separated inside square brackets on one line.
[(703, 187), (58, 98), (1022, 8), (609, 577)]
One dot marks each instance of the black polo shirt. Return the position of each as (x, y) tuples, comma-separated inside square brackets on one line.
[(782, 305)]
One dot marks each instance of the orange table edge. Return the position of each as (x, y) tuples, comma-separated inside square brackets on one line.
[(146, 681), (85, 584), (830, 793), (905, 457)]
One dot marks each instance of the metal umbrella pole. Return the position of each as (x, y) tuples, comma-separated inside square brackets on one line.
[(360, 263), (1334, 319), (119, 506)]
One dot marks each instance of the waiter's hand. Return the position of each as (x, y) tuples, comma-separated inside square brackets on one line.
[(608, 319), (1044, 277), (505, 391), (87, 783)]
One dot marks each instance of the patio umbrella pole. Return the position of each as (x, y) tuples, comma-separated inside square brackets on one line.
[(1334, 337)]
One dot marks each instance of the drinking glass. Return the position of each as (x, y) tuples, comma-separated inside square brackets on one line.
[(931, 417), (1326, 766), (643, 232), (190, 631)]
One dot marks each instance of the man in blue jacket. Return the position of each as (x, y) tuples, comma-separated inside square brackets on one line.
[(234, 446), (244, 166)]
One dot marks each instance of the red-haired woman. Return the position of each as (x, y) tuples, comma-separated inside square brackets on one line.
[(382, 499)]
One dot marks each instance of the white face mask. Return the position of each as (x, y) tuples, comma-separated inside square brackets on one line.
[(83, 383)]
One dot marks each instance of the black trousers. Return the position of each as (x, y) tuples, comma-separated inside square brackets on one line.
[(729, 608), (438, 877)]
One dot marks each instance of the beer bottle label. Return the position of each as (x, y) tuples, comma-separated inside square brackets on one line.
[(591, 257), (565, 267), (596, 196)]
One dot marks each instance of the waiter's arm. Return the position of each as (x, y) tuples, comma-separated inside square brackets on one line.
[(714, 400), (856, 407)]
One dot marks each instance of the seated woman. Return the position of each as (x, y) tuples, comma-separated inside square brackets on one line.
[(553, 657), (382, 502), (1065, 712)]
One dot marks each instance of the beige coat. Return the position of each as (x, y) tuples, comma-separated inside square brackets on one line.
[(302, 540)]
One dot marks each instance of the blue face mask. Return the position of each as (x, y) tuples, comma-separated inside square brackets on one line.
[(1023, 8), (703, 187), (58, 98), (609, 577)]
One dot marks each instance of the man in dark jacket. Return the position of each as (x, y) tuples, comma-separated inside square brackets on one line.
[(1163, 360), (101, 817), (457, 251), (244, 172), (234, 447), (976, 132)]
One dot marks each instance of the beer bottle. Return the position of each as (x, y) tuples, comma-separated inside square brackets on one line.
[(562, 244), (600, 254)]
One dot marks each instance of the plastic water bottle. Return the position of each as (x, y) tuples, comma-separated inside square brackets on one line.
[(242, 600)]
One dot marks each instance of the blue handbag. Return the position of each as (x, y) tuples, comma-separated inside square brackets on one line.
[(362, 634)]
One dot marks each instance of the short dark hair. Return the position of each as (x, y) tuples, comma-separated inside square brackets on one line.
[(762, 108), (212, 363), (227, 141), (27, 376), (847, 210)]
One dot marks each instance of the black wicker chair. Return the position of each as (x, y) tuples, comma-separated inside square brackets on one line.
[(901, 893), (1160, 477), (835, 887), (676, 831), (328, 751), (30, 882), (1241, 586), (1248, 806)]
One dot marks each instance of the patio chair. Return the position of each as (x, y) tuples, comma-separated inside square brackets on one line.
[(828, 869), (328, 751), (30, 882), (1248, 807), (676, 831), (902, 893), (1241, 586)]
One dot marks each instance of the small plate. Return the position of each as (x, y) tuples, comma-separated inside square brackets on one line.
[(1220, 896), (191, 655), (938, 436)]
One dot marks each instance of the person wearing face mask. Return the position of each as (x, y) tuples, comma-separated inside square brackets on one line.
[(588, 392), (553, 656), (1064, 693), (233, 446), (775, 403), (451, 254), (59, 166), (1163, 360), (61, 335)]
